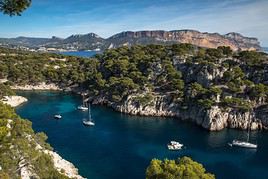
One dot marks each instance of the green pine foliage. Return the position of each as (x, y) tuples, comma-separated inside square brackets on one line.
[(183, 168), (19, 142)]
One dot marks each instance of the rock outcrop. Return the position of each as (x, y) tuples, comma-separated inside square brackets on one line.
[(14, 101), (214, 119), (210, 40)]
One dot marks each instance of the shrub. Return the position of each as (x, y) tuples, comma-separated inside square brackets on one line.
[(184, 168)]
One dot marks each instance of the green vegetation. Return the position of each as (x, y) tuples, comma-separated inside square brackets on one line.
[(14, 7), (5, 90), (237, 103), (187, 74), (154, 69), (184, 168), (18, 143)]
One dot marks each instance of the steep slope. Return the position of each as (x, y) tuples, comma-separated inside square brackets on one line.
[(209, 40)]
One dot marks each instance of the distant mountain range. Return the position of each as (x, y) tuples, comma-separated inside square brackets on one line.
[(92, 41)]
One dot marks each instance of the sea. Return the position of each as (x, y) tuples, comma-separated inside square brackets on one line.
[(265, 49), (85, 54), (122, 146)]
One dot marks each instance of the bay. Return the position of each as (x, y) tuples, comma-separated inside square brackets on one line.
[(121, 146), (85, 54)]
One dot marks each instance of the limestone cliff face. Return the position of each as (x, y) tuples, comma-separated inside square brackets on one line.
[(214, 119), (210, 40)]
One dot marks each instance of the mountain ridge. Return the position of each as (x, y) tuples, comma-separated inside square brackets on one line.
[(91, 41)]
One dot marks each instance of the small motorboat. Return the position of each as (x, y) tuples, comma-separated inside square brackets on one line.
[(57, 116), (174, 145)]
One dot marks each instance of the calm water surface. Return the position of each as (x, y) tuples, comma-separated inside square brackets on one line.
[(80, 53), (121, 146)]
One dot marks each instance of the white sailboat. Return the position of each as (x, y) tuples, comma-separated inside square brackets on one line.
[(244, 144), (83, 107), (88, 121)]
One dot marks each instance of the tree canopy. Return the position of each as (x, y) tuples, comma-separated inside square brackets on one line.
[(184, 168), (14, 7)]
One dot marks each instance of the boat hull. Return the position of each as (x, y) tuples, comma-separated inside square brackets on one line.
[(82, 108), (88, 123), (243, 145)]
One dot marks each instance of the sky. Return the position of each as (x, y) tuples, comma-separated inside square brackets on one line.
[(62, 18)]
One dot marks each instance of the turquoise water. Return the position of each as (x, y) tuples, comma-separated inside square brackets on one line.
[(121, 146), (80, 53)]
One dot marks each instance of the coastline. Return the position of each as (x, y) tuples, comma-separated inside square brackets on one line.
[(14, 101), (63, 166), (40, 87), (214, 119)]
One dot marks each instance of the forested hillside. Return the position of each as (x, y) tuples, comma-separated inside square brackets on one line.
[(158, 80)]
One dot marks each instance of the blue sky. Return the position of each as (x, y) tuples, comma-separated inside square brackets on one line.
[(46, 18)]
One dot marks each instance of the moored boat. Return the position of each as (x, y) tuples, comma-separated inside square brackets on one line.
[(243, 144), (88, 121), (84, 106), (174, 145), (57, 116)]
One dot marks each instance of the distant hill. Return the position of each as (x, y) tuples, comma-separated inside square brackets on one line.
[(93, 41)]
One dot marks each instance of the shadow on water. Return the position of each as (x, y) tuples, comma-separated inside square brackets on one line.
[(121, 146)]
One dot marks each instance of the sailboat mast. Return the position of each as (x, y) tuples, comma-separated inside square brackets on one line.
[(248, 131), (89, 112), (83, 100)]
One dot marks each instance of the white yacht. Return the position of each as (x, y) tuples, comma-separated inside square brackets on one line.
[(88, 121), (57, 116), (173, 145)]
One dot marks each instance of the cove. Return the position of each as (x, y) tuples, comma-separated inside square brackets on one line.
[(121, 146)]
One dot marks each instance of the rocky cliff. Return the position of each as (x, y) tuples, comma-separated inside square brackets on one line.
[(214, 119), (210, 40)]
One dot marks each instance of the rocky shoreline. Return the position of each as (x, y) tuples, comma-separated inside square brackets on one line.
[(64, 166), (41, 86), (213, 119), (14, 101)]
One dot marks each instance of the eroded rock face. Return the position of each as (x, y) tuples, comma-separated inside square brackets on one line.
[(213, 119), (210, 40)]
